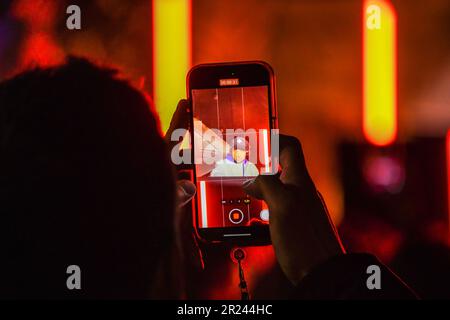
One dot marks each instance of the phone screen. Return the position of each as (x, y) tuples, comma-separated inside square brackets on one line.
[(231, 146)]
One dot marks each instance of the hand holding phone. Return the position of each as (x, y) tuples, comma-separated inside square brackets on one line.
[(233, 112), (302, 232)]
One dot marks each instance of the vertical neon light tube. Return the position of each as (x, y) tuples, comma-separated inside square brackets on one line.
[(448, 179), (266, 150), (171, 54), (379, 72), (204, 206)]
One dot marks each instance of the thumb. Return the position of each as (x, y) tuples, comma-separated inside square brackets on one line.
[(265, 187)]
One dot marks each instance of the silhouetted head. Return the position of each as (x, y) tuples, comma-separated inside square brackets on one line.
[(84, 180)]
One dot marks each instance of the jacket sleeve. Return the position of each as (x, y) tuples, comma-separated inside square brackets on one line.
[(352, 276)]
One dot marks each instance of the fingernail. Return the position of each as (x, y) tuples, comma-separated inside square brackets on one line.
[(187, 188), (245, 184)]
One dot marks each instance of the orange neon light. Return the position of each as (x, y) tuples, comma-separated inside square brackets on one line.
[(171, 54), (379, 72)]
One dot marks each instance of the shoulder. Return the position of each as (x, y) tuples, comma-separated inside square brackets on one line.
[(224, 161)]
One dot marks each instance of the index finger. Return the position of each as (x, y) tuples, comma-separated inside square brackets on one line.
[(292, 162)]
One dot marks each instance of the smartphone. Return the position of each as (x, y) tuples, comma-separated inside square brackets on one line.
[(233, 114)]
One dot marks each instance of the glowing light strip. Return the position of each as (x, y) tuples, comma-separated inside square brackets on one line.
[(379, 72), (448, 178), (266, 150), (203, 202), (171, 54)]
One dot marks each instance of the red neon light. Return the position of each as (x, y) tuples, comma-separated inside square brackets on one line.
[(448, 178), (39, 47)]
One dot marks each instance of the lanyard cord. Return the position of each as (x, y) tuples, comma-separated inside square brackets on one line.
[(237, 256), (242, 283)]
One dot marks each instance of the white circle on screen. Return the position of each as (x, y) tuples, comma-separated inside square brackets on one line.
[(264, 215), (236, 216)]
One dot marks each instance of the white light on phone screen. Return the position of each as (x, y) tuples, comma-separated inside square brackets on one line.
[(266, 150), (264, 215), (203, 200)]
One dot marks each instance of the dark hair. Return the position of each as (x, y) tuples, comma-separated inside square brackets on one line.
[(85, 180)]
